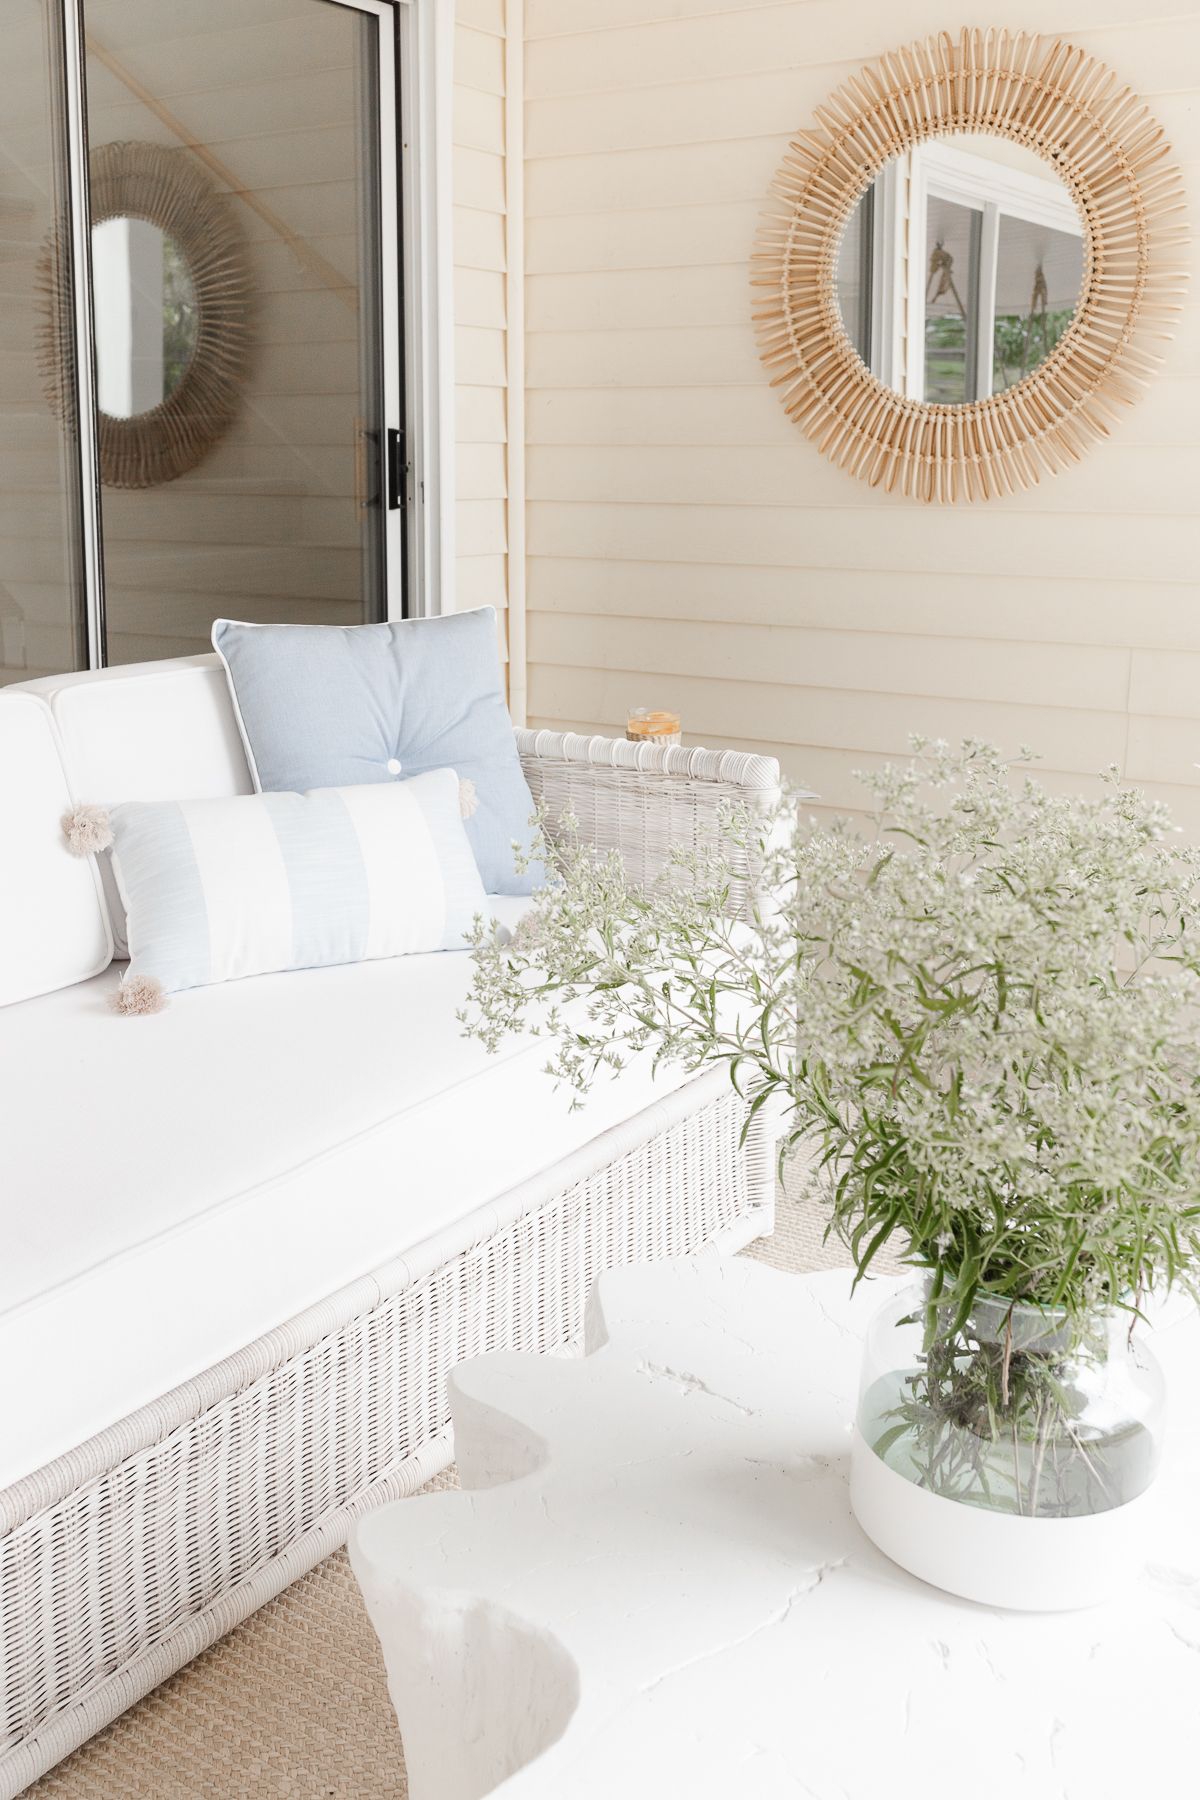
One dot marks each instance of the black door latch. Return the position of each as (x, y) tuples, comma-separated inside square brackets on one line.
[(397, 467)]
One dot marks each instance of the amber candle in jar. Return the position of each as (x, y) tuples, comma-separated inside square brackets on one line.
[(646, 727)]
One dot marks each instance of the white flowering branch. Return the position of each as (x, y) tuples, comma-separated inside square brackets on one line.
[(985, 1017)]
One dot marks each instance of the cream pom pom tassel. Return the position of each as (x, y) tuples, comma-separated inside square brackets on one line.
[(139, 994), (87, 829), (468, 799)]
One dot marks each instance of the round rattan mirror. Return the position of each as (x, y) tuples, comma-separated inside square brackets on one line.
[(171, 291), (1045, 218)]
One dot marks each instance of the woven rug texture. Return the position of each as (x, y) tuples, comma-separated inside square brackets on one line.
[(293, 1704)]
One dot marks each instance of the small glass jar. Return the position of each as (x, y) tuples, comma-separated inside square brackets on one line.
[(1022, 1410), (645, 727)]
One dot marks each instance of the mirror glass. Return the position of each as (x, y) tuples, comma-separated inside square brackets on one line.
[(960, 268), (147, 317)]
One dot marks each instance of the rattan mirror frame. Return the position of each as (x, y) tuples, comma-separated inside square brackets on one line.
[(1114, 159), (165, 187)]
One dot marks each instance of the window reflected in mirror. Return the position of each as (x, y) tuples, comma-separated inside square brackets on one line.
[(954, 241), (1029, 320), (146, 316), (960, 268)]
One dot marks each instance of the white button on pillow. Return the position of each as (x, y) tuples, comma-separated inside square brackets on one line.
[(321, 706)]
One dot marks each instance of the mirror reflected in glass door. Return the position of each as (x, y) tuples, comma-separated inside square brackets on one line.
[(198, 393), (274, 508)]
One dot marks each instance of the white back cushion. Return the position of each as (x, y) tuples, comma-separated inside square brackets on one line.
[(150, 731), (53, 927)]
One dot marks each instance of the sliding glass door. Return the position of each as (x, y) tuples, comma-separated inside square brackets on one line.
[(42, 612), (239, 266)]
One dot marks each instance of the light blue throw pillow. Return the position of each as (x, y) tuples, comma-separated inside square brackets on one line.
[(257, 883), (336, 705)]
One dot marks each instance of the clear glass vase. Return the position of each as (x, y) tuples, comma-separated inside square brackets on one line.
[(1020, 1411)]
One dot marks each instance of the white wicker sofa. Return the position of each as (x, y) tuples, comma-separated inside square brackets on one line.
[(244, 1241)]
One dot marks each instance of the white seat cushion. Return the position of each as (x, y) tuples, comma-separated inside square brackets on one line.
[(53, 927), (178, 1184)]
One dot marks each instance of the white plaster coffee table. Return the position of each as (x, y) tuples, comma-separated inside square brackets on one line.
[(652, 1584)]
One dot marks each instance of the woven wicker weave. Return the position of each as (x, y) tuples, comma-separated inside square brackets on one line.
[(1111, 155), (646, 800), (123, 1559)]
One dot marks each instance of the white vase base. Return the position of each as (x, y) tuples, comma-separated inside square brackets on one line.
[(999, 1559)]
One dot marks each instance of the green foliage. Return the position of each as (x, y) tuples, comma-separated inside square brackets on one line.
[(180, 316), (1014, 1429), (983, 1017), (1018, 347)]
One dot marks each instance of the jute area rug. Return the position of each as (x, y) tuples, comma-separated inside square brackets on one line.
[(293, 1704)]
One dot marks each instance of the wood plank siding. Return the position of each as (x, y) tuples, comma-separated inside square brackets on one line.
[(687, 547)]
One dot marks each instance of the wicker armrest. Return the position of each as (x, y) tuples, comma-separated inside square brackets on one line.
[(644, 800)]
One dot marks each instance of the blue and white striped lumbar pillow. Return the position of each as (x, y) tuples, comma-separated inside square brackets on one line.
[(218, 889)]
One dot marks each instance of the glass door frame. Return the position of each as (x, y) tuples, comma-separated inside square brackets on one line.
[(86, 437), (415, 40), (393, 432)]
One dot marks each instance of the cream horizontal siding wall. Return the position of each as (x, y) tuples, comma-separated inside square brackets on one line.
[(480, 258), (687, 546)]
